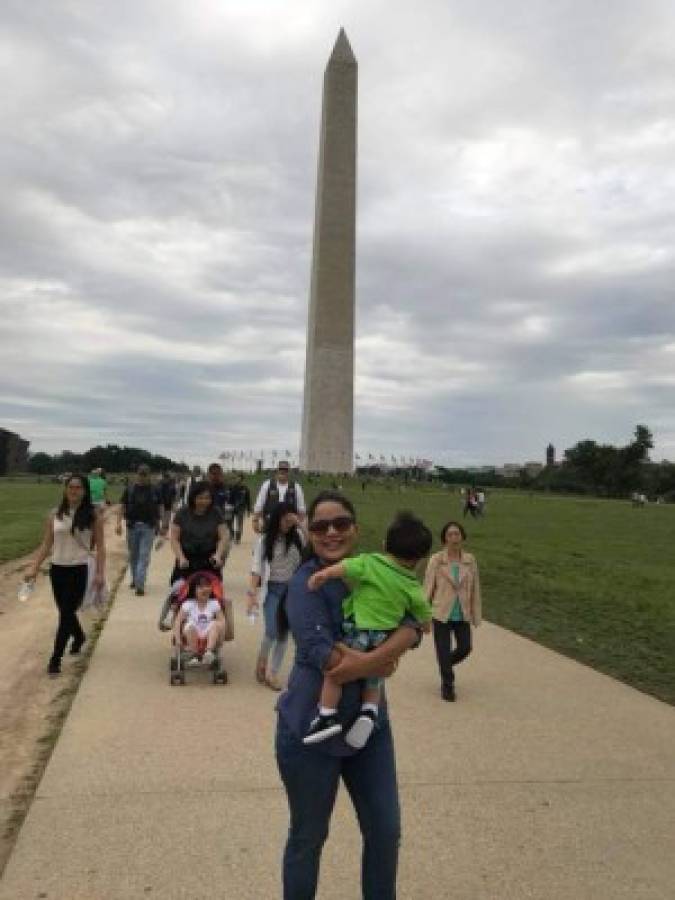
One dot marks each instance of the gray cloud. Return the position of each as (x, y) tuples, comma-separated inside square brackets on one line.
[(515, 255)]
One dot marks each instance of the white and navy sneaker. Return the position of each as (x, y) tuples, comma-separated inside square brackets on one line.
[(361, 730), (322, 728)]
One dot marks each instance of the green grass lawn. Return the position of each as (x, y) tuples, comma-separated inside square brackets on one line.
[(24, 505), (593, 579)]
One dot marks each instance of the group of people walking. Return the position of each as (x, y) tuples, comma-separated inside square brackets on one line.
[(351, 620)]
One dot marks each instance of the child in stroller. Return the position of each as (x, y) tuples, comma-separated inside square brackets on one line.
[(199, 626)]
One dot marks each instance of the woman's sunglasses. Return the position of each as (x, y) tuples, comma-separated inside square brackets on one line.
[(339, 524)]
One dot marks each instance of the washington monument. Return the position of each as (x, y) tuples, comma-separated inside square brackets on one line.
[(328, 411)]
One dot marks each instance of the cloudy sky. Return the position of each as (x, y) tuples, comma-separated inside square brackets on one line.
[(516, 225)]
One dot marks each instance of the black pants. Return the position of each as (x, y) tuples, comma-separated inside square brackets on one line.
[(69, 584), (446, 656)]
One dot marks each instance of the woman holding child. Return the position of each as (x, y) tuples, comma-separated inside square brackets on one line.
[(311, 774), (452, 585)]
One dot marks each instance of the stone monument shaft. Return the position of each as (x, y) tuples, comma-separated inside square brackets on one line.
[(328, 412)]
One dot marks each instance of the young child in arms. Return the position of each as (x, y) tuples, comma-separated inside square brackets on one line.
[(384, 590)]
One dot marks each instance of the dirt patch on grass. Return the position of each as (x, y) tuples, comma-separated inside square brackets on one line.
[(33, 707)]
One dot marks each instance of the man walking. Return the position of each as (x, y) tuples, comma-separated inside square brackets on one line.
[(167, 491), (241, 500), (274, 491), (139, 506), (221, 494)]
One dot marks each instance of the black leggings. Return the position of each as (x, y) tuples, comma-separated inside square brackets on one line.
[(69, 584), (446, 656)]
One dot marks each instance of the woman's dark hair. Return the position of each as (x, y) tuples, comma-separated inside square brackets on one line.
[(408, 537), (331, 497), (197, 488), (85, 514), (273, 531), (448, 525)]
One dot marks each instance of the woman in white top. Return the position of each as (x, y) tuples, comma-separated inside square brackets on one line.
[(276, 556), (72, 533)]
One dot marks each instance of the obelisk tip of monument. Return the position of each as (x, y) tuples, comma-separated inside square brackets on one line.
[(342, 51)]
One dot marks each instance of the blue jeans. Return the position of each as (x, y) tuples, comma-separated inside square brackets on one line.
[(139, 541), (311, 779)]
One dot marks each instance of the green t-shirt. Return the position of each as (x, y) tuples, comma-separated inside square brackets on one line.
[(97, 486), (382, 593)]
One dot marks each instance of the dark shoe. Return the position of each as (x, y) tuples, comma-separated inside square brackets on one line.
[(76, 646), (140, 592), (448, 693), (132, 586), (322, 728), (54, 668)]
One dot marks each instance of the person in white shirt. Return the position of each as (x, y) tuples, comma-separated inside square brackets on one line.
[(275, 491), (73, 535), (201, 622)]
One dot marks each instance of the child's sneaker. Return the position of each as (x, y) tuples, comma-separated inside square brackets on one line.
[(194, 661), (322, 728), (208, 658), (361, 730)]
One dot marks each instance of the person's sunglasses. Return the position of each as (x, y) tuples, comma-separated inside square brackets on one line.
[(339, 524)]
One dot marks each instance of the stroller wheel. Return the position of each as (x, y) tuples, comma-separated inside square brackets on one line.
[(220, 677), (173, 665)]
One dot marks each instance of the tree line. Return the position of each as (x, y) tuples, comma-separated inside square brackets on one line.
[(603, 470), (111, 458)]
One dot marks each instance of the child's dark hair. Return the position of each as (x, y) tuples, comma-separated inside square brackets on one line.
[(197, 583), (408, 537)]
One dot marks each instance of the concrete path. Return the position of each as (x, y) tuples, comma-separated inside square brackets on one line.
[(545, 780)]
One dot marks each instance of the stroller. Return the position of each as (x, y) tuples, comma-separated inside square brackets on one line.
[(180, 655)]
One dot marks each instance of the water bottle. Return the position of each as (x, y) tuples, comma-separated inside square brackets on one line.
[(26, 588)]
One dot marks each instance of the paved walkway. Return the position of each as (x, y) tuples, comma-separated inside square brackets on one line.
[(546, 780)]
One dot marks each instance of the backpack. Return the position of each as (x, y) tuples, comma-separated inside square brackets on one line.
[(272, 499)]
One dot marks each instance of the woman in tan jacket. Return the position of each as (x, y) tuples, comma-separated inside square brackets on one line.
[(452, 585)]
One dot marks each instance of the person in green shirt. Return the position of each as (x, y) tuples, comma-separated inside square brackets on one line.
[(385, 591), (98, 487)]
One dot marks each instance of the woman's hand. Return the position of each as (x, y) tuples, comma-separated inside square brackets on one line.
[(354, 664), (183, 562), (315, 581), (217, 561)]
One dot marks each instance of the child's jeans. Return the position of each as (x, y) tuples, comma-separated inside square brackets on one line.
[(364, 640)]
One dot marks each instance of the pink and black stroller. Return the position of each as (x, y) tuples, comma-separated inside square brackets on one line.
[(181, 657)]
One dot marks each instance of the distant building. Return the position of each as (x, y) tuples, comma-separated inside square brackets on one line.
[(509, 470), (13, 453), (533, 468), (550, 456)]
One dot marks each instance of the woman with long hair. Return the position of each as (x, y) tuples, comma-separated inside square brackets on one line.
[(73, 532), (276, 556), (311, 774)]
